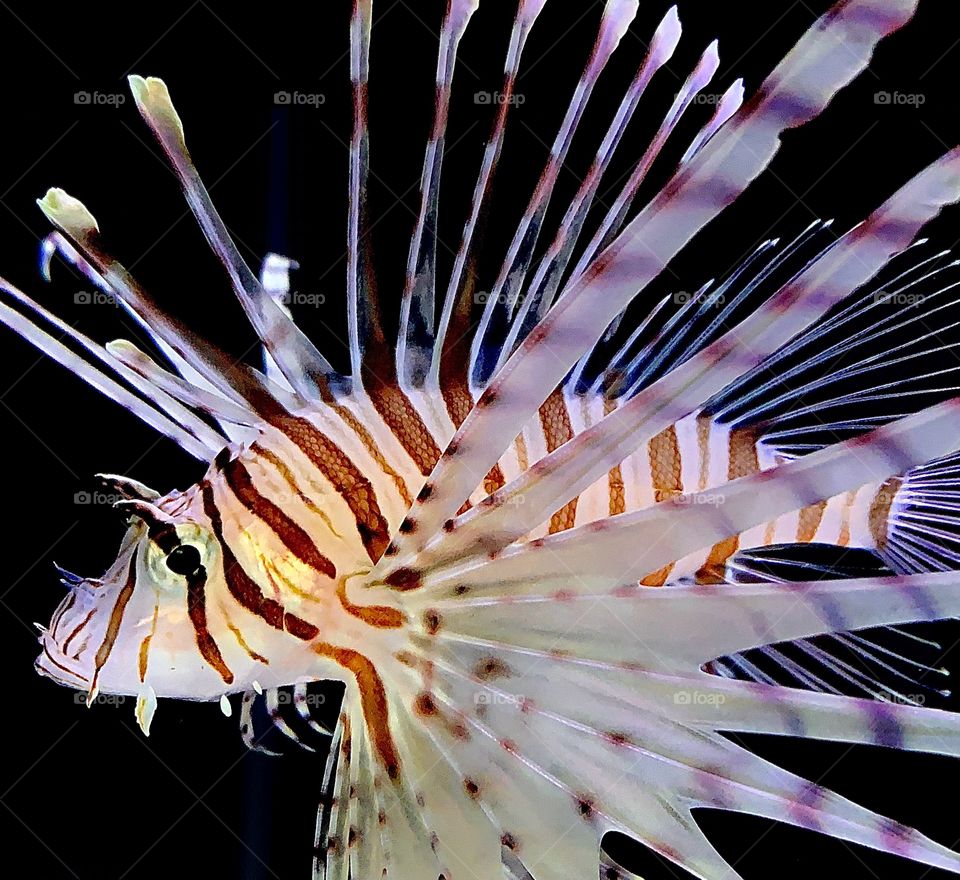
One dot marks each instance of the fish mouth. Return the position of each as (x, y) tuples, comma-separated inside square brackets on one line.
[(67, 640)]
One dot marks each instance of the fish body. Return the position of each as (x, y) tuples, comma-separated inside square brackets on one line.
[(525, 537)]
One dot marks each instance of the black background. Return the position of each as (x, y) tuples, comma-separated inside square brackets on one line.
[(83, 794)]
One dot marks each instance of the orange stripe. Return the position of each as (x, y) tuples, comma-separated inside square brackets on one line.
[(615, 486), (704, 424), (880, 511), (848, 502), (557, 430), (404, 422), (809, 522), (711, 572), (355, 489), (373, 701), (379, 616), (743, 453), (663, 452), (658, 578)]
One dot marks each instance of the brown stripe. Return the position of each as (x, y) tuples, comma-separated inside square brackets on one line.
[(743, 453), (459, 403), (77, 629), (242, 642), (145, 644), (353, 486), (557, 430), (243, 588), (294, 538), (704, 424), (116, 618), (197, 611), (291, 481), (404, 422), (658, 578), (711, 571), (373, 701), (880, 511), (809, 522), (665, 465), (374, 451), (379, 616), (615, 485)]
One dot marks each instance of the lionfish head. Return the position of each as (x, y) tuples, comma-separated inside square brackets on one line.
[(130, 631)]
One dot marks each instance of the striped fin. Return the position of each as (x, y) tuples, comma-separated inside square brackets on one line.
[(890, 329), (546, 282), (888, 664), (616, 20), (580, 559), (454, 324), (616, 217), (240, 384), (827, 58), (363, 318), (568, 471), (621, 757), (298, 359), (159, 410), (56, 244), (416, 336), (210, 402)]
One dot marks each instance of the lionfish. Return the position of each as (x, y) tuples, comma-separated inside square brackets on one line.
[(537, 541)]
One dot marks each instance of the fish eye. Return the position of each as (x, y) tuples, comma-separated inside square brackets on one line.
[(184, 559)]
